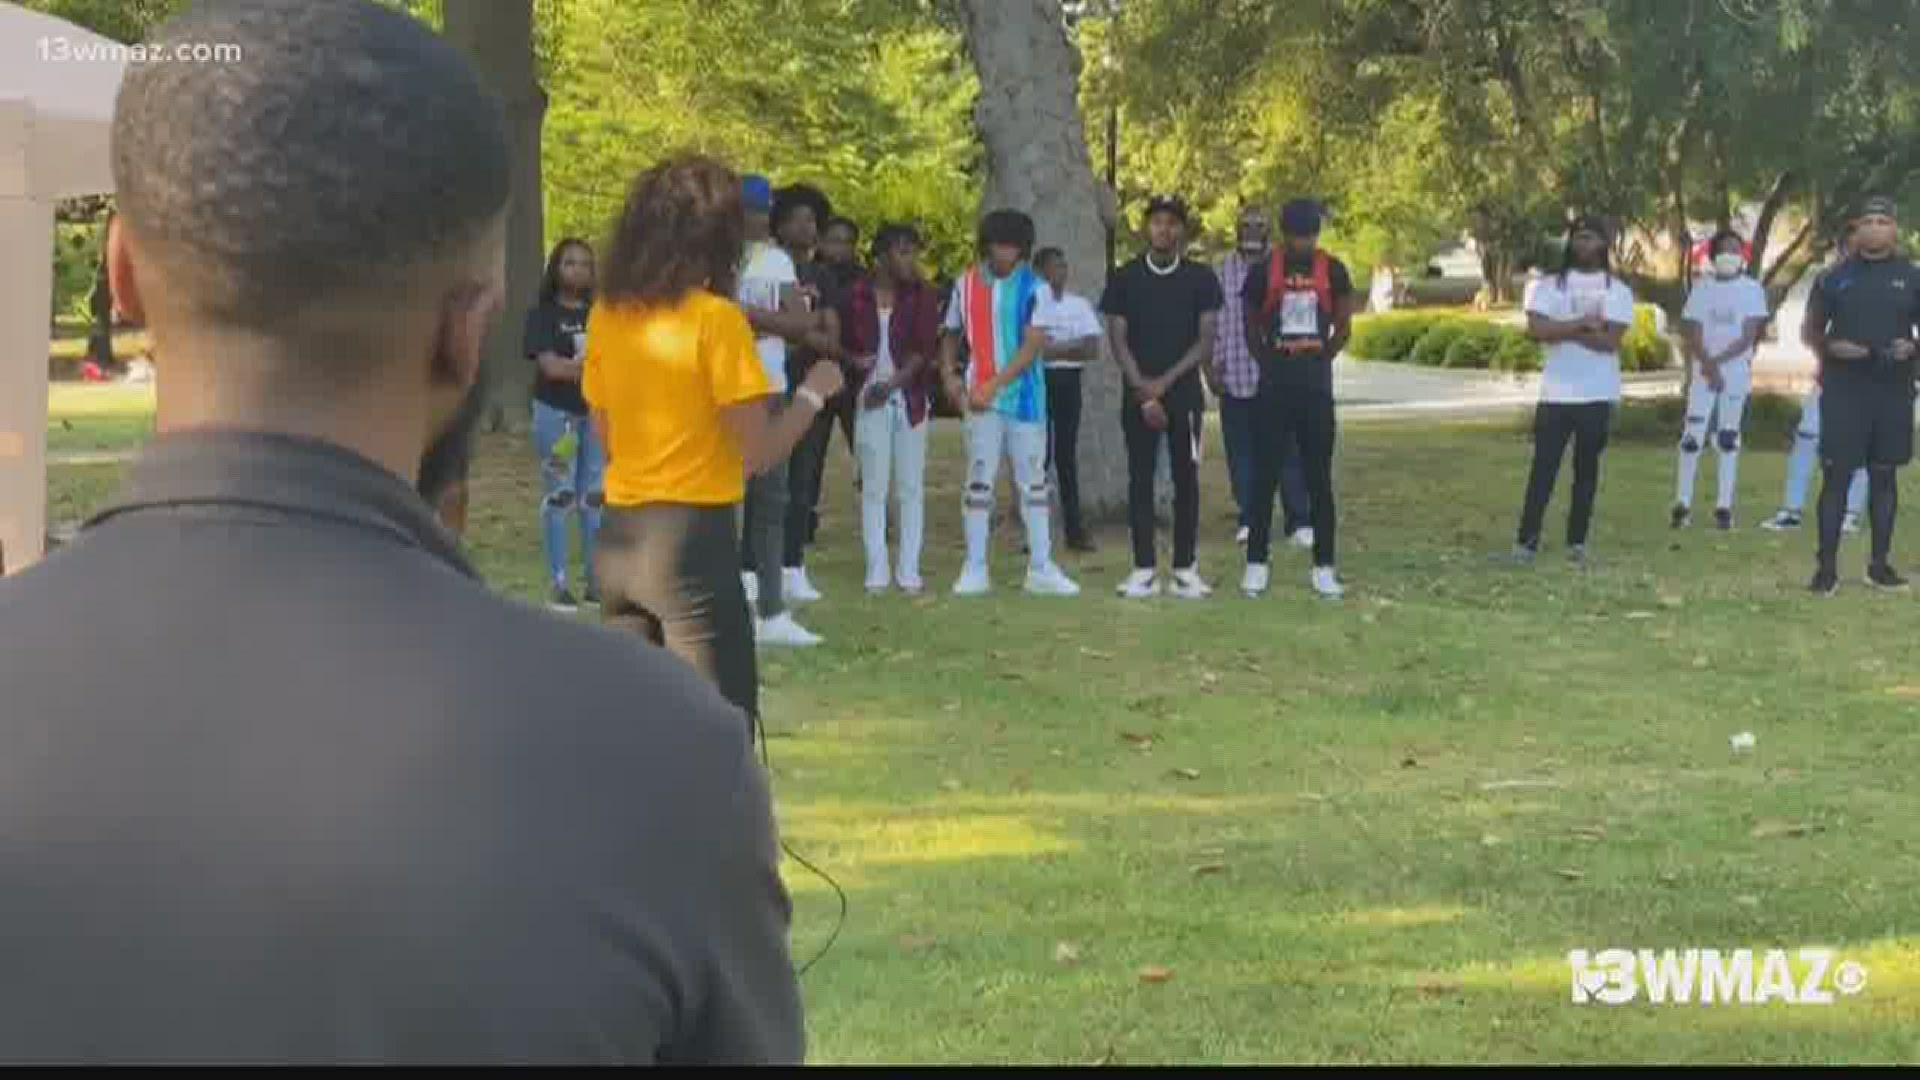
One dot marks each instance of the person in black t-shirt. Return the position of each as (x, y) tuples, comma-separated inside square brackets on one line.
[(1299, 311), (572, 461), (1160, 312), (1861, 322)]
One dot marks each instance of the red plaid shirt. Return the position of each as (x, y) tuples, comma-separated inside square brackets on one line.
[(1239, 372)]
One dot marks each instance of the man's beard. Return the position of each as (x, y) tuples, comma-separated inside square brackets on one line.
[(445, 462)]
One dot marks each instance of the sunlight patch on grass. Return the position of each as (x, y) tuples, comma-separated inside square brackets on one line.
[(1429, 915), (933, 839)]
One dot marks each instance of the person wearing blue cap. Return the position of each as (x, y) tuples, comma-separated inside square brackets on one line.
[(769, 292), (1298, 313), (1861, 322)]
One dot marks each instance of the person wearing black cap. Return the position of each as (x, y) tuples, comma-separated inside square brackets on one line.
[(1580, 314), (1861, 323), (1160, 312), (1299, 312)]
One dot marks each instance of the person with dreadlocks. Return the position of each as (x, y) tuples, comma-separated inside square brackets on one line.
[(1580, 315)]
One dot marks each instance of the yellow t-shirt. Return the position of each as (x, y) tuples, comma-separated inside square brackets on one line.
[(662, 373)]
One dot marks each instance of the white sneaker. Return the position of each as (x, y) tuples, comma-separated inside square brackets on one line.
[(1188, 585), (909, 583), (1327, 583), (1303, 538), (1140, 585), (1241, 536), (878, 582), (1254, 582), (750, 582), (973, 582), (783, 630), (798, 587), (1850, 524), (1050, 580)]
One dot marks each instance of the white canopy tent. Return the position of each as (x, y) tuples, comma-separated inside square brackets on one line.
[(57, 85)]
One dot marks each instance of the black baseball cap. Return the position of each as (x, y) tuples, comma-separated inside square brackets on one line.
[(1593, 223), (1167, 204), (1876, 204)]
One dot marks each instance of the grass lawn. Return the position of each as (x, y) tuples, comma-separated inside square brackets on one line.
[(97, 417), (1301, 814)]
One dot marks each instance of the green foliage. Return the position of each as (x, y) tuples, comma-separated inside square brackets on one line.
[(1390, 337), (1431, 349), (1644, 348), (1519, 353), (1476, 345), (1769, 424), (1443, 338), (76, 256)]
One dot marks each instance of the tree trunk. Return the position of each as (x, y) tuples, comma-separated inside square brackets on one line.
[(100, 308), (1028, 116), (1763, 228), (497, 35)]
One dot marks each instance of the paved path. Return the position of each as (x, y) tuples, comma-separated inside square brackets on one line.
[(1367, 389)]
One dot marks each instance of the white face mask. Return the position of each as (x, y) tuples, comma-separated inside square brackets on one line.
[(1728, 263)]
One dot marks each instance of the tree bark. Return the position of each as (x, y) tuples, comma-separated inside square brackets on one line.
[(497, 35), (1769, 212), (1028, 116)]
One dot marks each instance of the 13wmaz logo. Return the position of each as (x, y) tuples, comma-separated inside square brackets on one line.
[(1712, 977)]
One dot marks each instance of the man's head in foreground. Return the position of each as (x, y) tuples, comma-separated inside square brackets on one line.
[(313, 235)]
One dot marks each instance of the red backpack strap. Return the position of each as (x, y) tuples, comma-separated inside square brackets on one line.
[(1323, 281), (1276, 282)]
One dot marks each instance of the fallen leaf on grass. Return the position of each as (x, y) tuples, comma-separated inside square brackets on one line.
[(1570, 873), (1747, 900), (950, 784), (1184, 774), (1409, 762), (1066, 953), (1094, 654), (1489, 840), (1206, 869), (917, 942), (1669, 878), (1701, 662), (1369, 618), (1209, 678), (1154, 973), (1020, 782), (1671, 601), (1312, 796), (1138, 738), (1436, 984), (1638, 615), (1768, 830), (1591, 832), (1904, 691), (1104, 1059), (1211, 852)]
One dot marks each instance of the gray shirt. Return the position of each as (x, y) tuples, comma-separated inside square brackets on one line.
[(281, 781)]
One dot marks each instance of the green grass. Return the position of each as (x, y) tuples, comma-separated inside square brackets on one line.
[(978, 776), (71, 349), (85, 417)]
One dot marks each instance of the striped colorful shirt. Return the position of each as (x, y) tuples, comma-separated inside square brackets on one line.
[(1239, 372), (992, 315)]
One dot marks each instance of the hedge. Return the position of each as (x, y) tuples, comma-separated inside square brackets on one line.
[(1442, 338), (1643, 348)]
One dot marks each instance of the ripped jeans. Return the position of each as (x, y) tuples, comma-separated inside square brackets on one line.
[(571, 482)]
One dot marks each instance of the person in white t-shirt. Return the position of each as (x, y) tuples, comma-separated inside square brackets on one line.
[(1722, 322), (1580, 315), (769, 293), (1073, 338)]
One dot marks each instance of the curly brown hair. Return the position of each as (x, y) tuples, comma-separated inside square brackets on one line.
[(683, 227)]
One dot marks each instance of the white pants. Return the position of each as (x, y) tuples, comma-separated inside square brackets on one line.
[(989, 435), (893, 460), (1703, 401)]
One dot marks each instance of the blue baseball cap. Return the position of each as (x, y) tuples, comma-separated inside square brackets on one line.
[(1301, 217), (756, 192)]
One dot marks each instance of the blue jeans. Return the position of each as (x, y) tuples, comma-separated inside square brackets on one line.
[(1236, 427), (569, 486)]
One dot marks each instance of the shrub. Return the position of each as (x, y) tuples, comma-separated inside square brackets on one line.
[(1643, 348), (1432, 348), (1389, 338), (1519, 353), (1476, 345)]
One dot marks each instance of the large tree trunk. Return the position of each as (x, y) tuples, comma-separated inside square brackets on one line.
[(1769, 213), (1037, 162), (497, 35)]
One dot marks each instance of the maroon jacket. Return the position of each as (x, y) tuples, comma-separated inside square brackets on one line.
[(913, 329)]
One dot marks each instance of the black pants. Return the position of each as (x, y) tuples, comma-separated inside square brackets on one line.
[(670, 573), (1284, 416), (1554, 425), (1143, 456), (806, 470), (1063, 444)]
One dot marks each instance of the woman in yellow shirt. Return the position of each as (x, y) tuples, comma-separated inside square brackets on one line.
[(679, 397)]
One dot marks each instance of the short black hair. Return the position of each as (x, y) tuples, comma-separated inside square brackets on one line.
[(1045, 257), (1723, 239), (847, 223), (788, 201), (891, 234), (350, 147), (550, 280), (1007, 227)]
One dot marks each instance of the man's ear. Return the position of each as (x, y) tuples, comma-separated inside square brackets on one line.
[(127, 303), (466, 315)]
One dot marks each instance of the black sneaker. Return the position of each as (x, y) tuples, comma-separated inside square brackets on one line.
[(1825, 582), (1081, 543), (1782, 521), (591, 597), (1681, 517), (562, 600), (1886, 577), (1723, 519)]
